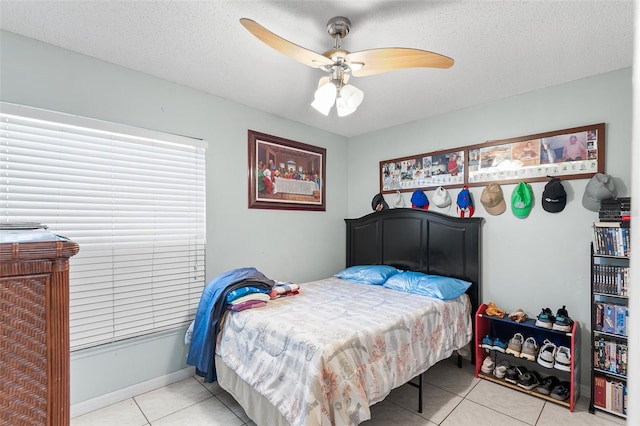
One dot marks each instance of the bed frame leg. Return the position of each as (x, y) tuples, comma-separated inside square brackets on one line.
[(420, 394), (459, 361)]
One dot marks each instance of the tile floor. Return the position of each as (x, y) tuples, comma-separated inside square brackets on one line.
[(453, 397)]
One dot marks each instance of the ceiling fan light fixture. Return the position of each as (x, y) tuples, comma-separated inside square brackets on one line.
[(324, 98), (348, 100)]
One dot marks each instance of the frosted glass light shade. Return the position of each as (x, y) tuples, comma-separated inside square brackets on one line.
[(349, 100), (324, 98)]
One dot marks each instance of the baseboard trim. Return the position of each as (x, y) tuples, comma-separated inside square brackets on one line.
[(102, 401)]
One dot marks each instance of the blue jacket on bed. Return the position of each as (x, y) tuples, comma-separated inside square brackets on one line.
[(212, 306)]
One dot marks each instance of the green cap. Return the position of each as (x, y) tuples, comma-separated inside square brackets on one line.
[(522, 200)]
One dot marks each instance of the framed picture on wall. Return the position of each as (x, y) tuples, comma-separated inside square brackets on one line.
[(576, 153), (430, 170), (285, 174)]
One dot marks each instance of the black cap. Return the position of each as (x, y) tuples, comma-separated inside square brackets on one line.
[(379, 200), (554, 197)]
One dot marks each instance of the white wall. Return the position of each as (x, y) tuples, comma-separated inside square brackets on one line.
[(541, 261), (288, 245)]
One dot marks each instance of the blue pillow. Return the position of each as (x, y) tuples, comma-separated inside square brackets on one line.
[(368, 274), (437, 286)]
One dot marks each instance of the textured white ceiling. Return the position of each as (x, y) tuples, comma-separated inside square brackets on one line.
[(501, 48)]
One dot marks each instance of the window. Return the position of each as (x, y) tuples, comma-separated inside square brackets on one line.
[(133, 200)]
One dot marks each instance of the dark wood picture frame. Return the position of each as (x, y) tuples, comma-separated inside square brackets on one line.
[(575, 153), (285, 174), (440, 168)]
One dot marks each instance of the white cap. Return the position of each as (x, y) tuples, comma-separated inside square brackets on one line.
[(441, 197)]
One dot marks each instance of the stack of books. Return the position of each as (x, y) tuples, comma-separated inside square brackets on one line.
[(611, 239), (610, 394), (611, 318)]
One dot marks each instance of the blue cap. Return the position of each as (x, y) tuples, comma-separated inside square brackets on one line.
[(419, 200)]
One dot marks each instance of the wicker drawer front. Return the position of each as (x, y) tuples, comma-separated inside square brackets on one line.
[(23, 350)]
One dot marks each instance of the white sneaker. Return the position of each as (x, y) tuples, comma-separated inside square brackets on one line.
[(547, 354), (563, 359), (487, 365)]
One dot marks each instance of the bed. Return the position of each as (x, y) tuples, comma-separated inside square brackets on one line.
[(326, 355)]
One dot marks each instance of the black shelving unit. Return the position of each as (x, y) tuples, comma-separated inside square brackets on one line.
[(609, 313)]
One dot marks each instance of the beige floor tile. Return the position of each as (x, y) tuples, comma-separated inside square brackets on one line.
[(507, 401), (469, 413), (232, 405), (437, 403), (554, 415), (386, 413), (210, 412), (446, 375), (213, 387), (169, 399), (125, 413)]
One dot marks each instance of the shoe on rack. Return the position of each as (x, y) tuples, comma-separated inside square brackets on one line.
[(529, 349), (561, 391), (528, 379), (562, 320), (515, 345), (511, 375), (501, 369), (493, 311), (487, 342), (499, 345), (547, 354), (563, 359), (518, 316), (547, 385), (487, 365), (545, 319)]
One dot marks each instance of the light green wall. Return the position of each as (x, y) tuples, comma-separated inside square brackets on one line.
[(541, 261), (533, 263), (294, 246)]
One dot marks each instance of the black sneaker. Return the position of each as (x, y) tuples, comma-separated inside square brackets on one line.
[(545, 319), (511, 375), (561, 391), (528, 379), (547, 385), (562, 321)]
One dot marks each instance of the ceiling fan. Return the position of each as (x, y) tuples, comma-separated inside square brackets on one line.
[(339, 63)]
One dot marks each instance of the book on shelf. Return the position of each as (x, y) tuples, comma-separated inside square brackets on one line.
[(610, 356), (611, 318), (610, 239), (611, 279), (600, 391)]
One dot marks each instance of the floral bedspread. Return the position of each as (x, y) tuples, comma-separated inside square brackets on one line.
[(324, 356)]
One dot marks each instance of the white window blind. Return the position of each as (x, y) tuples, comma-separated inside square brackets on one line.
[(133, 200)]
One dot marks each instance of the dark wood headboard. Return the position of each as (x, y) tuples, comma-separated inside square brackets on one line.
[(419, 240)]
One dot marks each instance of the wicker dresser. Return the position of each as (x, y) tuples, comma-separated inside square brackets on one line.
[(34, 332)]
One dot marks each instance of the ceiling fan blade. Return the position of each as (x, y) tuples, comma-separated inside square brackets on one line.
[(300, 54), (376, 61)]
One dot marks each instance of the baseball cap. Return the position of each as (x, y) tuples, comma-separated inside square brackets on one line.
[(522, 200), (554, 197), (464, 204), (492, 199), (600, 187), (378, 203), (441, 197), (419, 200)]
